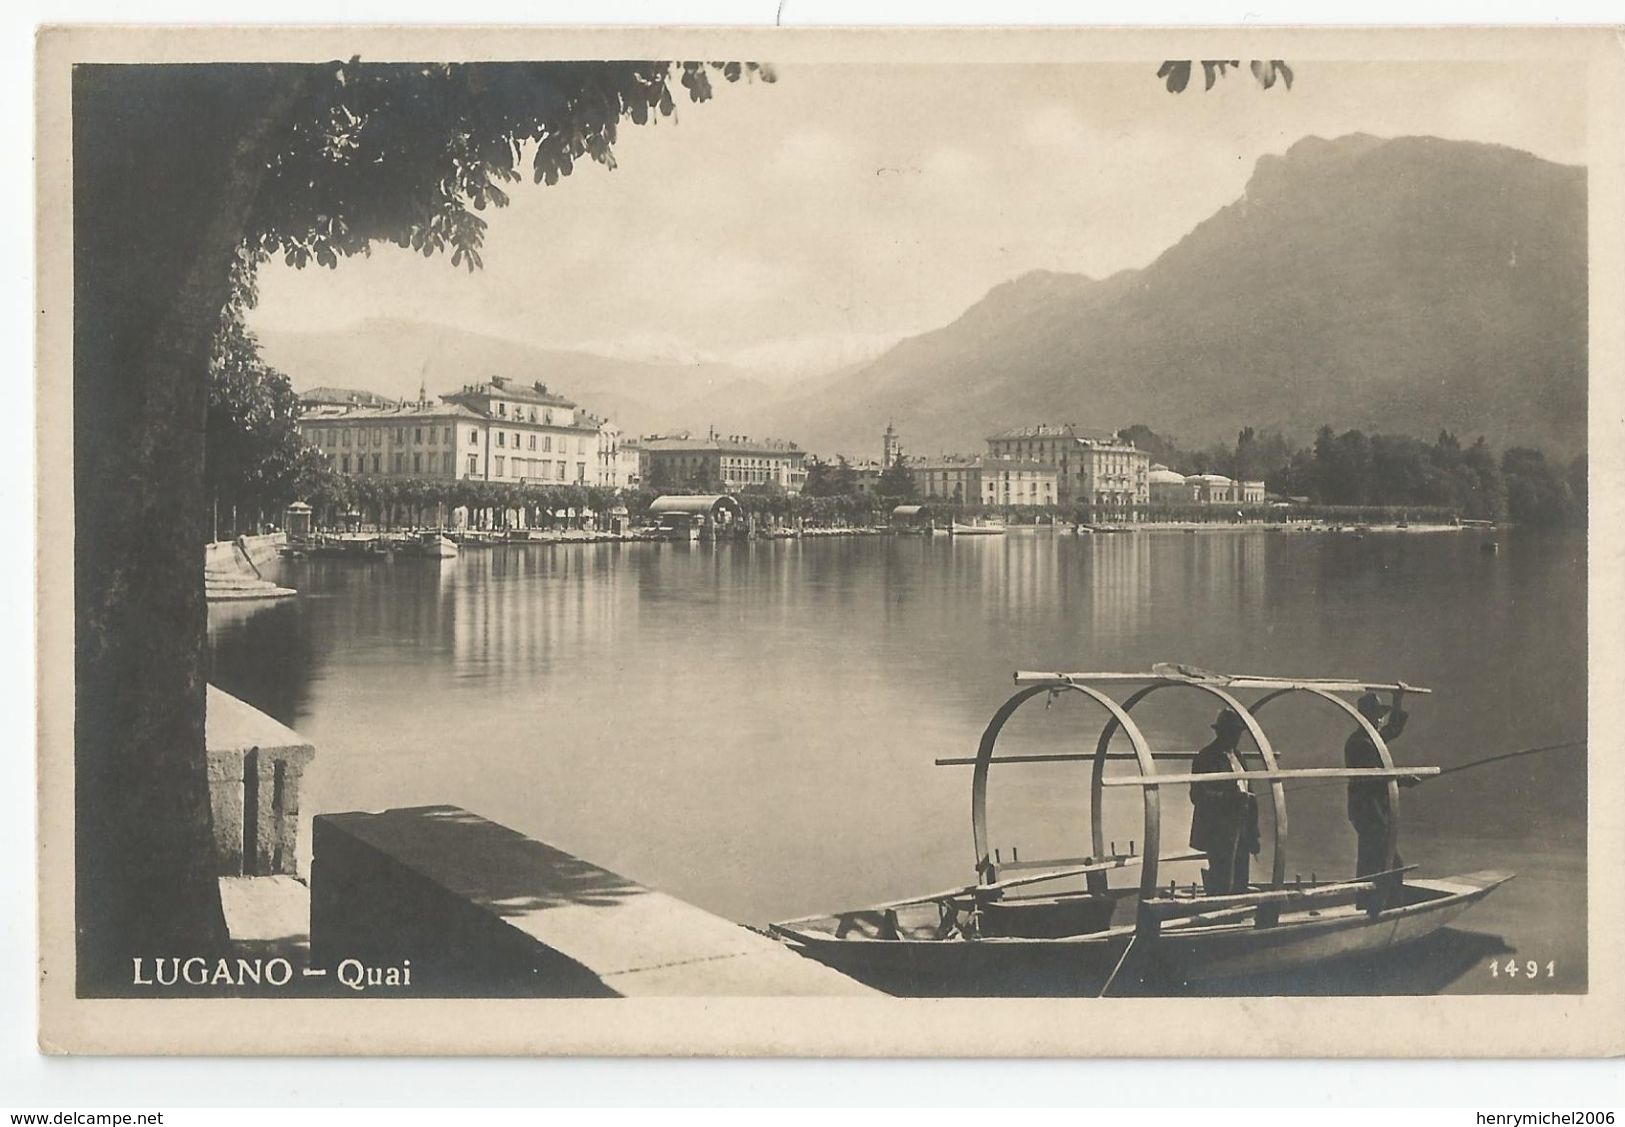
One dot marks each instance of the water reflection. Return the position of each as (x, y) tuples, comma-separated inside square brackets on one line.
[(752, 726)]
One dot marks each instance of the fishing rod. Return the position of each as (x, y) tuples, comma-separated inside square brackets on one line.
[(1488, 759), (1511, 755)]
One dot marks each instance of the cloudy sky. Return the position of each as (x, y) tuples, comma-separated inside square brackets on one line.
[(845, 205)]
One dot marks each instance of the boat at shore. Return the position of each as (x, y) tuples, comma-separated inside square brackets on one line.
[(1059, 926), (432, 545), (990, 529), (348, 546)]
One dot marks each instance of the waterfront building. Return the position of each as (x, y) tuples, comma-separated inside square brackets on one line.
[(532, 435), (407, 440), (1170, 487), (630, 469), (1213, 488), (498, 430), (1013, 481), (607, 468), (736, 461), (1095, 468), (865, 477), (949, 477)]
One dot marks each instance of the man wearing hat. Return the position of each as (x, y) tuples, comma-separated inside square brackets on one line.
[(1368, 798), (1224, 824)]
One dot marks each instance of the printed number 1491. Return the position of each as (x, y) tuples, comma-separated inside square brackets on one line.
[(1512, 968)]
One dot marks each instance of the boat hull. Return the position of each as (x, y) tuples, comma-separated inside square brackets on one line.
[(1081, 965), (432, 548), (1242, 950)]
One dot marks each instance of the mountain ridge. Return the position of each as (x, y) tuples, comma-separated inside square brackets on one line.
[(1406, 284)]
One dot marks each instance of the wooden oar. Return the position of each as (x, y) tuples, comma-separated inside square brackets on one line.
[(1057, 757), (1178, 670), (1101, 866), (1271, 776), (1172, 672), (1164, 908)]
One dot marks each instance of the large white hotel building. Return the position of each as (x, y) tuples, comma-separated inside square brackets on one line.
[(497, 430)]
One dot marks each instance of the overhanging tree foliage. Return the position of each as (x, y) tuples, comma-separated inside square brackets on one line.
[(255, 460), (185, 178)]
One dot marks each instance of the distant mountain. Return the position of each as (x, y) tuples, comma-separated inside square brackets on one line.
[(1395, 285), (391, 357)]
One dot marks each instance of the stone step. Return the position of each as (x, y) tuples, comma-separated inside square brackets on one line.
[(479, 907)]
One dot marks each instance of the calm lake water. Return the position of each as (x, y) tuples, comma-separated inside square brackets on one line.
[(751, 727)]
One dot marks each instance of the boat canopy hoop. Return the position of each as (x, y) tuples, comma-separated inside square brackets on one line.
[(1118, 720), (1260, 740), (1384, 756), (986, 873)]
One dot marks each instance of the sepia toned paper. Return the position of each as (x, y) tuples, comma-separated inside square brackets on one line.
[(810, 1010)]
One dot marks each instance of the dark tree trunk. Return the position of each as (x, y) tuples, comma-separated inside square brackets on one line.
[(166, 163)]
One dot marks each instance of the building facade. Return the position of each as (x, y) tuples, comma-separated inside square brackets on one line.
[(1093, 468), (947, 478), (1212, 488), (1216, 489), (498, 430), (1012, 481), (734, 461), (865, 477), (413, 440), (630, 470), (532, 436), (1170, 487)]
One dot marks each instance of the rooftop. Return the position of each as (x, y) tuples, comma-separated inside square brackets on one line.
[(396, 412), (945, 462), (343, 397), (726, 444), (1058, 430), (501, 387)]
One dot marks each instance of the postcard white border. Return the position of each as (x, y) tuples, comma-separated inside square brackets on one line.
[(1550, 1026)]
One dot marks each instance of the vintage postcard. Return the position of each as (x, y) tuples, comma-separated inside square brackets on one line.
[(892, 543)]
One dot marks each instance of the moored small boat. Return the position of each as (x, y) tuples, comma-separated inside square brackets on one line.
[(959, 529), (432, 545), (1005, 934)]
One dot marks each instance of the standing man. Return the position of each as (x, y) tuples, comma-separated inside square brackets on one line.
[(1224, 824), (1368, 798)]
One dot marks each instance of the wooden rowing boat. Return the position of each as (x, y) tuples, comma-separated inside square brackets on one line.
[(1061, 926)]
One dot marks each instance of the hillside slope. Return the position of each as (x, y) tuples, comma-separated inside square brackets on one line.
[(1399, 285)]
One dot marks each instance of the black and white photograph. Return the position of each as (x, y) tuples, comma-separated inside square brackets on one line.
[(746, 539)]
